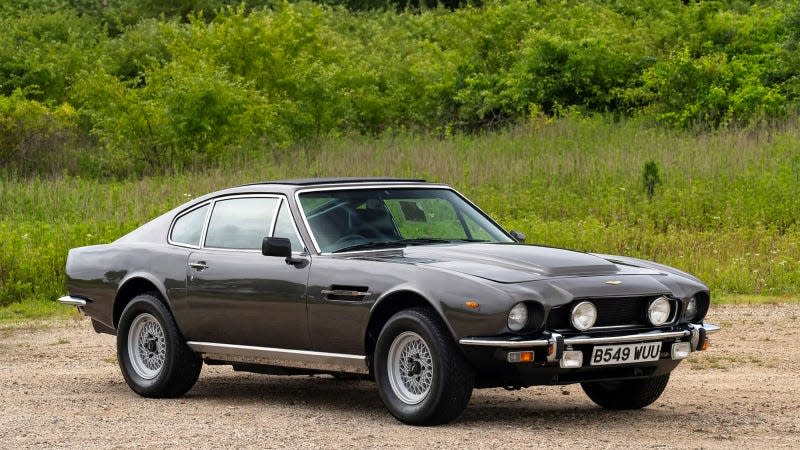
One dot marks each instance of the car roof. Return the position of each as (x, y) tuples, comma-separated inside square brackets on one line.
[(337, 180)]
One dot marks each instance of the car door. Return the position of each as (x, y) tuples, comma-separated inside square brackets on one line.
[(235, 294)]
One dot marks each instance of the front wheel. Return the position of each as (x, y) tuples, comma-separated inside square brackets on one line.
[(626, 394), (152, 354), (422, 377)]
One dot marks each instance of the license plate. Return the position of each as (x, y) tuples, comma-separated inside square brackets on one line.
[(626, 353)]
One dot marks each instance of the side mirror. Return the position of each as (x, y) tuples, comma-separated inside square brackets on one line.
[(275, 246), (518, 236), (282, 247)]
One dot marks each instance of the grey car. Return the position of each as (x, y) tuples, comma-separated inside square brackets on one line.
[(400, 281)]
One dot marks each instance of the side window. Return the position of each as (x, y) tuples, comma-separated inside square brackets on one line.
[(284, 227), (240, 223), (189, 226)]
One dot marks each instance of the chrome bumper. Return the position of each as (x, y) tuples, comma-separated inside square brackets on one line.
[(72, 301), (692, 330)]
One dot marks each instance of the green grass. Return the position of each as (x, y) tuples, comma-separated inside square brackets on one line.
[(727, 208), (30, 310)]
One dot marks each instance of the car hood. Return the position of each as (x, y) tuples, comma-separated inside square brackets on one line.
[(511, 263)]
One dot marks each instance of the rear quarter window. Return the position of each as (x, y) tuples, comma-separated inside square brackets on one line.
[(189, 227)]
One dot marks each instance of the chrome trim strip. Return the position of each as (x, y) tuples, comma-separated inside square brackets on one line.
[(581, 340), (282, 356), (345, 293), (578, 340), (72, 301), (711, 328), (479, 342)]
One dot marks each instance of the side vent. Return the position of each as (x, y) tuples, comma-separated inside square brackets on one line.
[(346, 293)]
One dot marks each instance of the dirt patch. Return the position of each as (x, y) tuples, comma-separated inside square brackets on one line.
[(60, 387)]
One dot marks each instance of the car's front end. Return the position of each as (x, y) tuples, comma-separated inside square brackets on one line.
[(590, 328)]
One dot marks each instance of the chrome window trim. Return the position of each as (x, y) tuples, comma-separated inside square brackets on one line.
[(202, 230), (360, 186), (285, 201)]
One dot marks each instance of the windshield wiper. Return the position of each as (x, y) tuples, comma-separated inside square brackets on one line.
[(370, 244), (394, 243)]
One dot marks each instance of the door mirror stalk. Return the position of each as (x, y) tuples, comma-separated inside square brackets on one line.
[(281, 247)]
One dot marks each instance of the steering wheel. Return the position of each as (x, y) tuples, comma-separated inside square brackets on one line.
[(350, 237)]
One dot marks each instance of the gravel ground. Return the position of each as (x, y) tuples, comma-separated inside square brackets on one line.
[(60, 386)]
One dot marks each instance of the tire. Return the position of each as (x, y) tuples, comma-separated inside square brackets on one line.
[(162, 366), (440, 382), (626, 394)]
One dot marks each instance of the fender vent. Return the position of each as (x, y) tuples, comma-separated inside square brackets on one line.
[(346, 293)]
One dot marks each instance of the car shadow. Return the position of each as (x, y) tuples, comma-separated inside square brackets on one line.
[(547, 408)]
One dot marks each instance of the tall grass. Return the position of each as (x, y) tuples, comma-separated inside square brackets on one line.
[(726, 210)]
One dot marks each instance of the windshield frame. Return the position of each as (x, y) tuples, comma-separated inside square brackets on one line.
[(310, 232)]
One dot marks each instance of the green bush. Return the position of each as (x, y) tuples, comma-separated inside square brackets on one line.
[(169, 85), (35, 139)]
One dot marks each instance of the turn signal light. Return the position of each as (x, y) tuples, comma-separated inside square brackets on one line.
[(515, 357), (706, 343)]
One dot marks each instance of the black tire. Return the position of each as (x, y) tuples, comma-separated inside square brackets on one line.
[(181, 366), (626, 394), (451, 377)]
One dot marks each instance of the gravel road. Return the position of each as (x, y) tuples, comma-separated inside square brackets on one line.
[(60, 386)]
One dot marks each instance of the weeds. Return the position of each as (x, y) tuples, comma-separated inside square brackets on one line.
[(726, 210)]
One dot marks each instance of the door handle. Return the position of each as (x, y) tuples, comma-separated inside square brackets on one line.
[(199, 266)]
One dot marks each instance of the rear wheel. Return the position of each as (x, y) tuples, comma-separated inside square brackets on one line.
[(626, 394), (152, 354), (422, 377)]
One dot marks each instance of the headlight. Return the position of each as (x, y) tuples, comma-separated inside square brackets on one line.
[(584, 315), (659, 311), (691, 309), (518, 317)]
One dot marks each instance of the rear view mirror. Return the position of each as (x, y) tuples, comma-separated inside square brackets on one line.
[(518, 236), (412, 212), (276, 246)]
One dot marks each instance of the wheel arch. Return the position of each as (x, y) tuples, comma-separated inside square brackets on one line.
[(133, 285), (389, 305)]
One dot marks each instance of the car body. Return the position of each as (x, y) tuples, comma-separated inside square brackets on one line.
[(404, 281)]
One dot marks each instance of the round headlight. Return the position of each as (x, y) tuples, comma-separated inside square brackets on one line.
[(518, 317), (584, 315), (659, 311), (691, 309)]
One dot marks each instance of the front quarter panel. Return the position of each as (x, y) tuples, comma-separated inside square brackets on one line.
[(340, 325)]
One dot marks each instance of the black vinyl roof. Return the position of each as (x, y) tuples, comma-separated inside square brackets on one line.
[(338, 180)]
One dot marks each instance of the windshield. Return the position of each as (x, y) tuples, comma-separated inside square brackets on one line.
[(344, 220)]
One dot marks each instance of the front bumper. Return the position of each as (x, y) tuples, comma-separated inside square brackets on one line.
[(555, 351), (693, 330)]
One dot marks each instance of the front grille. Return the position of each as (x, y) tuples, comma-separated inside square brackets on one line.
[(611, 312)]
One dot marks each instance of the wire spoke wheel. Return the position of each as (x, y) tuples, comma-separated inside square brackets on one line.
[(147, 347), (410, 368)]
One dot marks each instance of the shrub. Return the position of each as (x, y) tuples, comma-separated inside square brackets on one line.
[(35, 139)]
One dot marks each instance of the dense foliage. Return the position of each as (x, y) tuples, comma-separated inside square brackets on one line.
[(124, 87)]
